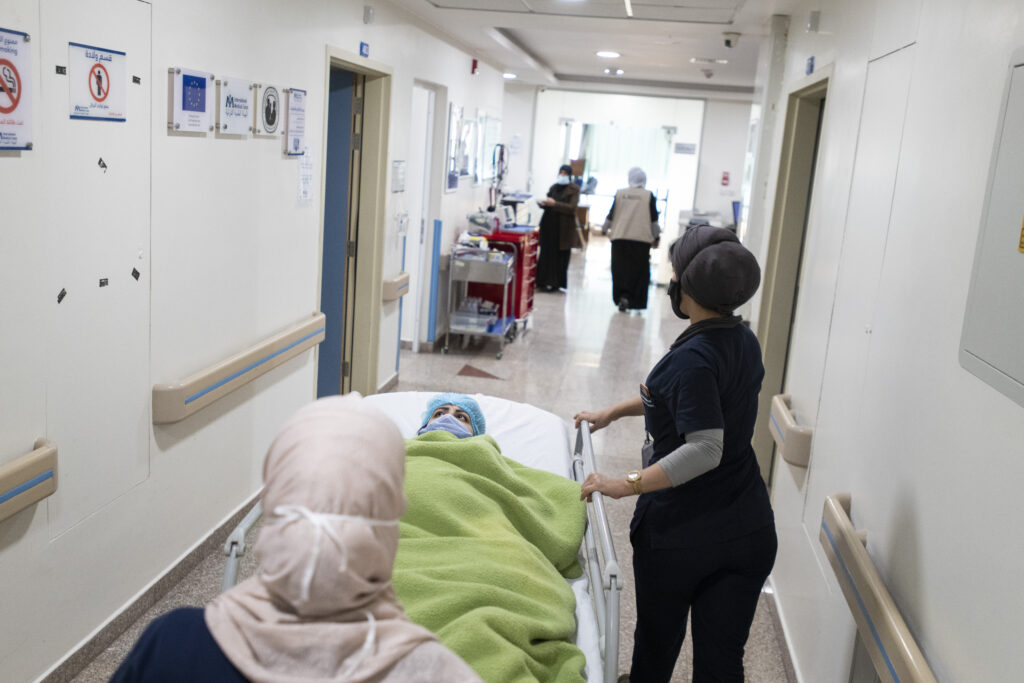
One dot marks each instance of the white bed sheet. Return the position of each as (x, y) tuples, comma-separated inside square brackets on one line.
[(533, 437)]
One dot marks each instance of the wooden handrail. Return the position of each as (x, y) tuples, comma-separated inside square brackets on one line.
[(882, 630), (176, 401), (28, 479)]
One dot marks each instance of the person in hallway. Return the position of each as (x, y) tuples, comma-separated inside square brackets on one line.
[(455, 413), (558, 234), (322, 606), (632, 225), (703, 531)]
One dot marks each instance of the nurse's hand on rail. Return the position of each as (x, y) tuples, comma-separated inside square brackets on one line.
[(596, 420), (613, 488)]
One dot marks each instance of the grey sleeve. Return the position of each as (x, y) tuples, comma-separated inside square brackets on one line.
[(701, 453)]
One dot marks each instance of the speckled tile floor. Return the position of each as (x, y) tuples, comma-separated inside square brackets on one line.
[(578, 352)]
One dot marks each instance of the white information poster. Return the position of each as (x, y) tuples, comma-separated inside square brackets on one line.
[(15, 98), (234, 111), (269, 115), (192, 100), (98, 83), (296, 138), (305, 189)]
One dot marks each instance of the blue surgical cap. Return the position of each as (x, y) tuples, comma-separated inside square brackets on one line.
[(476, 416)]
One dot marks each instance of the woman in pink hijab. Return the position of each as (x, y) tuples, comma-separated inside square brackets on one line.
[(321, 607)]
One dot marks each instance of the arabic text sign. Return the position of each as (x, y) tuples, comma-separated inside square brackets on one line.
[(97, 83), (15, 98)]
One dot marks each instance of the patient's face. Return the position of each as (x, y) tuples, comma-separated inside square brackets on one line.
[(456, 412)]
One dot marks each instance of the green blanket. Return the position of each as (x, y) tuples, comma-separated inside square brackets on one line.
[(486, 546)]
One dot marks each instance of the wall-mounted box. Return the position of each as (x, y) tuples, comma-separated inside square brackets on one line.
[(990, 345)]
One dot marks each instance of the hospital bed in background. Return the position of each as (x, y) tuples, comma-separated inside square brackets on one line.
[(539, 439)]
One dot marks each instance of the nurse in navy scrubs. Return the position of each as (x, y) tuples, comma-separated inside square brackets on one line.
[(703, 533)]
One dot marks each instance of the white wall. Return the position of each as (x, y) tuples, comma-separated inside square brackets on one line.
[(227, 256), (931, 455), (517, 134), (722, 148)]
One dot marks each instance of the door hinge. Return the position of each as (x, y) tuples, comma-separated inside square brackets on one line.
[(345, 369), (357, 142), (350, 249), (357, 106)]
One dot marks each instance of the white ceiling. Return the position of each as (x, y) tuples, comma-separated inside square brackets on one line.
[(552, 42)]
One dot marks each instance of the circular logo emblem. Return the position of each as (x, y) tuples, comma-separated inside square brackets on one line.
[(270, 109)]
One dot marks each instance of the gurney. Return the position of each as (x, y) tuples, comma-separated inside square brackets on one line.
[(539, 439)]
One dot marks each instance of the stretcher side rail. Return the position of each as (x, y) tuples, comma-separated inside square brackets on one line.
[(607, 601)]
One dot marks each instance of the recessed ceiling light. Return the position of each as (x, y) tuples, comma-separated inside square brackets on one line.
[(607, 71), (608, 54), (508, 75), (619, 72), (707, 60)]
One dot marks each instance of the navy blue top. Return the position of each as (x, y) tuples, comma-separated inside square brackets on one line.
[(710, 381), (177, 648)]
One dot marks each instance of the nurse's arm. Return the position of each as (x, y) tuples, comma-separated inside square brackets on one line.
[(634, 407)]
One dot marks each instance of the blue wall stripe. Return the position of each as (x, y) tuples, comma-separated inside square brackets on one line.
[(249, 367), (21, 488), (777, 428), (860, 603), (434, 273)]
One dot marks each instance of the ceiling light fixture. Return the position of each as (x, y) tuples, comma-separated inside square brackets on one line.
[(508, 75), (607, 54), (607, 72), (619, 72), (707, 60), (629, 9)]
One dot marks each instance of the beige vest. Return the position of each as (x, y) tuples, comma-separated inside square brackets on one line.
[(631, 219)]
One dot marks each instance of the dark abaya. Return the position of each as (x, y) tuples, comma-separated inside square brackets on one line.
[(631, 272)]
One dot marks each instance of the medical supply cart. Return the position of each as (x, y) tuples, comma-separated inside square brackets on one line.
[(522, 242), (474, 316)]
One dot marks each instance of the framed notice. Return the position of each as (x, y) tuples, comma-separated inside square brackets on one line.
[(234, 106), (296, 129), (15, 95), (190, 105), (269, 119), (97, 81)]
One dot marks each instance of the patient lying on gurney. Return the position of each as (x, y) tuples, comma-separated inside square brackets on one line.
[(321, 607), (485, 548)]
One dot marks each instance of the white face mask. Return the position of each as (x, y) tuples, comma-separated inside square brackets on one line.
[(447, 423), (562, 180), (290, 514)]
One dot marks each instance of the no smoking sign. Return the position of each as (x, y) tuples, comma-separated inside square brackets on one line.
[(15, 101)]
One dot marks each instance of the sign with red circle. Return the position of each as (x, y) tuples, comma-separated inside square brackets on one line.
[(99, 82), (10, 87)]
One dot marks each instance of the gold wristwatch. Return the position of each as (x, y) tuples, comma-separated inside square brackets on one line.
[(634, 478)]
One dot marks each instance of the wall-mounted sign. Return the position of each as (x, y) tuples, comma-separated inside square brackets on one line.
[(686, 148), (269, 111), (15, 97), (97, 81), (234, 109), (190, 105), (296, 138)]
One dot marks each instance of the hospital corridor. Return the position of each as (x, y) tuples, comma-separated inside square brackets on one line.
[(511, 340)]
